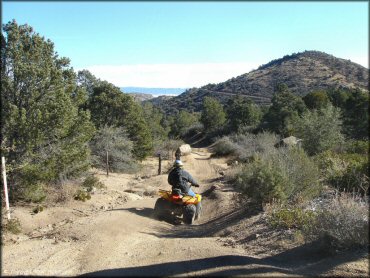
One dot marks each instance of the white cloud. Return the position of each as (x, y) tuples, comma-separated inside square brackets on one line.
[(170, 75)]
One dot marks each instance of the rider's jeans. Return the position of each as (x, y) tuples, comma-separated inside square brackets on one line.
[(191, 193)]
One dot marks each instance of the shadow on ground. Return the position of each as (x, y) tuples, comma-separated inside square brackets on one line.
[(207, 229), (183, 267), (285, 263), (145, 212)]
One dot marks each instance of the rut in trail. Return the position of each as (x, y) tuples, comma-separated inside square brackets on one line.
[(132, 238)]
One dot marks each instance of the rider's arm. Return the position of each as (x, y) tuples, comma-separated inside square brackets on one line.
[(190, 179)]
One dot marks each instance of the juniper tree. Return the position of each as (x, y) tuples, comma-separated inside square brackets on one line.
[(109, 106), (44, 132), (320, 129), (242, 112), (213, 115), (285, 108)]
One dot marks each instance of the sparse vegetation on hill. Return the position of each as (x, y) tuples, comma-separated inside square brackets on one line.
[(302, 73)]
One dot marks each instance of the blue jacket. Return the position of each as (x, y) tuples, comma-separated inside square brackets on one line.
[(179, 179)]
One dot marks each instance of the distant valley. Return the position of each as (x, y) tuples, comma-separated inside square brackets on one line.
[(154, 91)]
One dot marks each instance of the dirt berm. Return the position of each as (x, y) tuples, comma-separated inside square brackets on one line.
[(114, 234)]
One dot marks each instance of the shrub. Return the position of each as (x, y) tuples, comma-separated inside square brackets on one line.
[(292, 217), (167, 148), (260, 181), (90, 182), (224, 146), (82, 195), (60, 194), (120, 150), (287, 175), (343, 223), (192, 130), (34, 193), (357, 146), (346, 171), (13, 226), (38, 209), (245, 146), (319, 129)]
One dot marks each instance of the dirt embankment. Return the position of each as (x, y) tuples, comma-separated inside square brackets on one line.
[(114, 234)]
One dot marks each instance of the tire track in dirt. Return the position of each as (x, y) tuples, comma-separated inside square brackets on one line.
[(128, 241)]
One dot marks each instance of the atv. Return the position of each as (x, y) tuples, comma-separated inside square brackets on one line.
[(170, 207)]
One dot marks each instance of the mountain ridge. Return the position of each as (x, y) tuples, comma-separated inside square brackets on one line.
[(302, 72)]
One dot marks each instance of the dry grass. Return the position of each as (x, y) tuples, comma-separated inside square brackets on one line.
[(60, 194), (12, 226), (342, 223)]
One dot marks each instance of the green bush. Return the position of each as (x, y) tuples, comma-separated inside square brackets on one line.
[(90, 182), (261, 181), (82, 195), (34, 193), (345, 171), (319, 129), (38, 209), (357, 146), (286, 175), (343, 223), (192, 130), (292, 217)]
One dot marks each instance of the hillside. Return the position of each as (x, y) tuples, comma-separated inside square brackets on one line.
[(141, 96), (302, 73)]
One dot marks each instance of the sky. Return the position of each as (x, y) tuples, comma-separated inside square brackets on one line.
[(191, 44)]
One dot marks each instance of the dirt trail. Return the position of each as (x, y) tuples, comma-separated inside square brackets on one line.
[(114, 234)]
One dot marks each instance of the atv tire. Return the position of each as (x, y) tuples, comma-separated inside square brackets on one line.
[(189, 212), (198, 212), (163, 209)]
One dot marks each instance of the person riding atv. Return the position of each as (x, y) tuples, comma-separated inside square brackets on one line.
[(180, 179), (181, 200)]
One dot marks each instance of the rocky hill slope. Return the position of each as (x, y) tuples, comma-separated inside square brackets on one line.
[(302, 73), (141, 96)]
